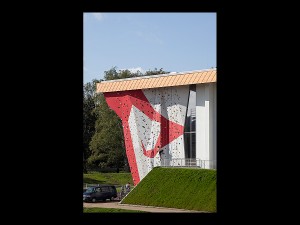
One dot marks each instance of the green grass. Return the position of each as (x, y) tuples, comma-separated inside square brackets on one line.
[(183, 188), (107, 178), (110, 210)]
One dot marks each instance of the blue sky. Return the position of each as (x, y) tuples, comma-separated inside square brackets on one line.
[(176, 42)]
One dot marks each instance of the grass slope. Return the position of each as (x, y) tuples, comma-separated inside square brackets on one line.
[(107, 178), (110, 210), (183, 188)]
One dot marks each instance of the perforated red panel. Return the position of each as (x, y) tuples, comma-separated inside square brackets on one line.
[(122, 103)]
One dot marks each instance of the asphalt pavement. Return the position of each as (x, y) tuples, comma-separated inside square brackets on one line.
[(153, 209)]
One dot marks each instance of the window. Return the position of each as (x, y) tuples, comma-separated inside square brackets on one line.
[(190, 125), (105, 189)]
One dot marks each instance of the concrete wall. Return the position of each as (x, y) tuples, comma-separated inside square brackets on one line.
[(153, 121), (206, 124), (153, 125)]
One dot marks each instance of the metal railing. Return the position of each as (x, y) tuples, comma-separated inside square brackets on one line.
[(189, 162)]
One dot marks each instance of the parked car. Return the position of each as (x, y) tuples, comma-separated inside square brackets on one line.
[(101, 192)]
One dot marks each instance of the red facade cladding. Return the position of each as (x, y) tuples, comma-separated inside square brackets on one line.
[(121, 103)]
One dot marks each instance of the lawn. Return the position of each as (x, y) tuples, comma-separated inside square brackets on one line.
[(107, 178), (183, 188)]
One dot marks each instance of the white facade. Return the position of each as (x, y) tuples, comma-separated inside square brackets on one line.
[(206, 145), (156, 124)]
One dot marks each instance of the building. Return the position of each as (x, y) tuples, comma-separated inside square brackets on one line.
[(168, 119)]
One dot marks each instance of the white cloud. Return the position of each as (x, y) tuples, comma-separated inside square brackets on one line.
[(149, 37), (134, 70), (98, 16), (84, 68)]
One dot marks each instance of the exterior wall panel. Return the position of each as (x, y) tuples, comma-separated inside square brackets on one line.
[(206, 124), (153, 121), (153, 111)]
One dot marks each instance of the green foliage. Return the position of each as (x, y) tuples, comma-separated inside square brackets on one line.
[(107, 143), (155, 72), (183, 188), (89, 119), (110, 210), (107, 178), (112, 74)]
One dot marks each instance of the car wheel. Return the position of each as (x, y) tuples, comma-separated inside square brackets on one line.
[(93, 200), (112, 198)]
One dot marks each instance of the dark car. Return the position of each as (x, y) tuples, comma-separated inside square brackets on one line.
[(102, 192)]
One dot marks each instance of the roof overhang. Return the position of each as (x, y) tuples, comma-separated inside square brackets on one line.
[(157, 81)]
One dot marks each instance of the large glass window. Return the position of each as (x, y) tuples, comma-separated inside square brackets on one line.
[(190, 125)]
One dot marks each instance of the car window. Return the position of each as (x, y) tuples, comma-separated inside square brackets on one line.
[(111, 189), (90, 190), (105, 189)]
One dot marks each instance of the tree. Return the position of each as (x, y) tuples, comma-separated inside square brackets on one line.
[(107, 143), (112, 74), (155, 72), (89, 119)]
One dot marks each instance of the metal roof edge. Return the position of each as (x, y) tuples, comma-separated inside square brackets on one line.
[(155, 76)]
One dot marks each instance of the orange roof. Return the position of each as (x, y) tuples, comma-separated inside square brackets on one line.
[(156, 81)]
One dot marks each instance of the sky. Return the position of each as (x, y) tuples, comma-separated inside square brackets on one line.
[(175, 42)]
